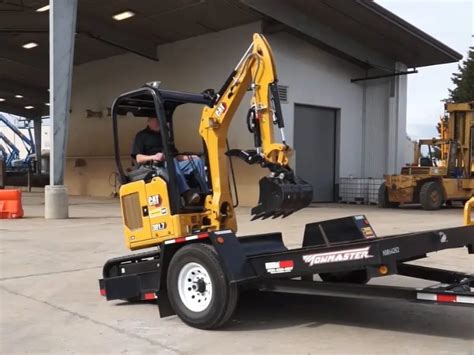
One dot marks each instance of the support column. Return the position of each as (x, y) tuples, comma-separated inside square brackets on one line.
[(37, 133), (62, 29)]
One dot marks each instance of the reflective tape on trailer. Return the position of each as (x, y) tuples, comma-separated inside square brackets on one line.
[(445, 298), (187, 239)]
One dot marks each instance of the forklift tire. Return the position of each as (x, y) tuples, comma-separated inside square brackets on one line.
[(383, 198), (198, 288), (356, 277), (431, 196)]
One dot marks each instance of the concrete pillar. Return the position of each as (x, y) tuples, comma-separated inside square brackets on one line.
[(62, 29), (397, 121), (37, 133)]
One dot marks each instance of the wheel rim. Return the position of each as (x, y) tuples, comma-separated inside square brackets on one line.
[(195, 287)]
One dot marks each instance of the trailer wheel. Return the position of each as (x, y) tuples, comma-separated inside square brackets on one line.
[(431, 196), (384, 202), (355, 277), (198, 288)]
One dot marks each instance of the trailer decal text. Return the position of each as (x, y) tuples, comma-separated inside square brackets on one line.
[(278, 267), (337, 256)]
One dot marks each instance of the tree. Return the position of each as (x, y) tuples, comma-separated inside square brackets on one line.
[(464, 80)]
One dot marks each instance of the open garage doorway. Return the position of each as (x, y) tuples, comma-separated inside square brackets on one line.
[(315, 145)]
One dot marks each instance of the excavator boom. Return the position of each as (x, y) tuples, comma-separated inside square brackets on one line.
[(281, 192)]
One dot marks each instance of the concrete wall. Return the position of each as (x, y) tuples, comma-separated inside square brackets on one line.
[(314, 77)]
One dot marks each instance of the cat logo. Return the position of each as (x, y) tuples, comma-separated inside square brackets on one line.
[(221, 109), (154, 201)]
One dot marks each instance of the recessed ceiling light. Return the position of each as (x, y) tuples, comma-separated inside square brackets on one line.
[(2, 99), (19, 96), (43, 9), (30, 45), (46, 103), (123, 15), (29, 107)]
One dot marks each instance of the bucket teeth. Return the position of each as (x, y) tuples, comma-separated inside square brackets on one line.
[(280, 198)]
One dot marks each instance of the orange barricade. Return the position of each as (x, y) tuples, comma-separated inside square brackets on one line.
[(10, 204)]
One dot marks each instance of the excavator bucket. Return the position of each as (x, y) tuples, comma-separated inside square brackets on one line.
[(280, 198)]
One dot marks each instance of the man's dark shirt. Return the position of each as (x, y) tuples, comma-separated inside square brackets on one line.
[(148, 142)]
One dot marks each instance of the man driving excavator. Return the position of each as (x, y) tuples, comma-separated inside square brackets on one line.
[(148, 148)]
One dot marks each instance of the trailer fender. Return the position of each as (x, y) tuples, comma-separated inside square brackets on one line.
[(232, 256)]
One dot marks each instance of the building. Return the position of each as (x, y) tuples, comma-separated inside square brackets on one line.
[(342, 69)]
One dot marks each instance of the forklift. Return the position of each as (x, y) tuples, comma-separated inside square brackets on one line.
[(196, 265), (442, 177)]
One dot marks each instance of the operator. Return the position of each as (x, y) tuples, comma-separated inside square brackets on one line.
[(148, 148)]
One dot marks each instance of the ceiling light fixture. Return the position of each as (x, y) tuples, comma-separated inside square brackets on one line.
[(29, 107), (123, 15), (46, 103), (2, 99), (30, 45), (43, 9), (19, 96)]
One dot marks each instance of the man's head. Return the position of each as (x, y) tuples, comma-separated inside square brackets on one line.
[(154, 124)]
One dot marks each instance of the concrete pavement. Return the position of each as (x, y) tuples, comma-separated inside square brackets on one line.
[(50, 301)]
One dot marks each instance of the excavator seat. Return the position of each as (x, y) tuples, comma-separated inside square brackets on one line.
[(146, 173)]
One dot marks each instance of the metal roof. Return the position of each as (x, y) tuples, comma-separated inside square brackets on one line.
[(25, 71)]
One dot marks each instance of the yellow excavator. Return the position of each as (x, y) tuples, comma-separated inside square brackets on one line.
[(196, 265), (443, 175)]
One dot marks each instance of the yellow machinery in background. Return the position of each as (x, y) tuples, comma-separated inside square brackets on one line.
[(446, 173)]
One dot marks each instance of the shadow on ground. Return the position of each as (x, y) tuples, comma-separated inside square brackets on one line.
[(267, 311), (261, 310)]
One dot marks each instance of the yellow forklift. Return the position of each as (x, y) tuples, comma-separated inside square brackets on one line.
[(443, 175), (196, 265)]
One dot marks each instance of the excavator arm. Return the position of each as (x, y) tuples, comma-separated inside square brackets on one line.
[(281, 193)]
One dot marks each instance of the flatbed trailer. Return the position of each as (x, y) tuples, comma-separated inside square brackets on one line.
[(345, 252)]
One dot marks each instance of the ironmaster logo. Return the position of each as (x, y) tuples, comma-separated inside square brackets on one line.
[(337, 256)]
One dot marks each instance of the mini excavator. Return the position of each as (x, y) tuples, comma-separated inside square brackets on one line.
[(197, 265)]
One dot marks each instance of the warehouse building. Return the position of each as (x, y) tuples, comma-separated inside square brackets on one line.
[(342, 69)]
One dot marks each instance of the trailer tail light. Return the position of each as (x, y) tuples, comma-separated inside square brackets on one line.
[(383, 270), (445, 298), (102, 292), (149, 296)]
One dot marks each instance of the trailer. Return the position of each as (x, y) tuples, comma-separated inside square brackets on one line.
[(198, 277)]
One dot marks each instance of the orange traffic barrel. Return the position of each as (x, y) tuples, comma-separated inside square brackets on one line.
[(10, 204)]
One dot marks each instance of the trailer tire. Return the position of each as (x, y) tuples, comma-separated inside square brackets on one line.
[(355, 277), (384, 202), (195, 275), (431, 196)]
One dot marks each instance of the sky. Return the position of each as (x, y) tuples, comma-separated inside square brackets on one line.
[(451, 22)]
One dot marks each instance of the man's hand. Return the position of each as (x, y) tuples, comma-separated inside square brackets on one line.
[(186, 157), (158, 157)]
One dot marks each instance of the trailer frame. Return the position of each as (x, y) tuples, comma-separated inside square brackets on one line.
[(344, 247)]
